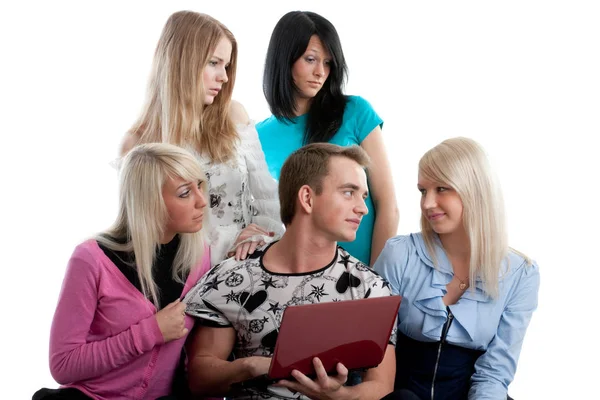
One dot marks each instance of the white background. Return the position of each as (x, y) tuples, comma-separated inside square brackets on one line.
[(521, 77)]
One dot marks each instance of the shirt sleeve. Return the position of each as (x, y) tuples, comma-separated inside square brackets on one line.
[(363, 117), (495, 369), (72, 357), (392, 261), (263, 187), (202, 301)]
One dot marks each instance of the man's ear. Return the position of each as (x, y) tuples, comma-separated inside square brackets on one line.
[(306, 198)]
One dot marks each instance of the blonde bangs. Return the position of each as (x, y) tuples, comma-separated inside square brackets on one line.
[(462, 164), (143, 214)]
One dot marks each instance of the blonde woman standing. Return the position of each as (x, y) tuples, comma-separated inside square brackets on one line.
[(189, 104), (119, 326), (467, 297)]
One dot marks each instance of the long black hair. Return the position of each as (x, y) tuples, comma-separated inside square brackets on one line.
[(288, 43)]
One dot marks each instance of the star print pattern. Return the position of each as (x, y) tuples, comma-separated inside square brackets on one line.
[(274, 307), (268, 282), (345, 260), (214, 284), (231, 297), (252, 301), (318, 292)]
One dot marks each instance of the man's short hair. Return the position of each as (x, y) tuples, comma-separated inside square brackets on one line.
[(308, 166)]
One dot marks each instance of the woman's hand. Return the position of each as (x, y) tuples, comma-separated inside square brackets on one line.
[(171, 321), (249, 239)]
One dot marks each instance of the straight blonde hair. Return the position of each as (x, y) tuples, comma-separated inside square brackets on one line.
[(175, 111), (462, 164), (143, 216)]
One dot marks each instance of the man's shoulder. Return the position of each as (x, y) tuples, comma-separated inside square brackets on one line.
[(230, 264), (351, 262), (364, 273), (215, 296), (228, 271)]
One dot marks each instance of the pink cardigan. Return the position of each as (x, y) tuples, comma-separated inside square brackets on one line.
[(105, 340)]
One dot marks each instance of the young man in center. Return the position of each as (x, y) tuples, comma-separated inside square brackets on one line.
[(239, 304)]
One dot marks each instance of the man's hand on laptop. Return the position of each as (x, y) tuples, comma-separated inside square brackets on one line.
[(323, 387)]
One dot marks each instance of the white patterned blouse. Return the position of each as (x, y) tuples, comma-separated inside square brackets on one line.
[(241, 191)]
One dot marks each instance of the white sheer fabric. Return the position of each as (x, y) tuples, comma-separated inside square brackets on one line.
[(241, 192)]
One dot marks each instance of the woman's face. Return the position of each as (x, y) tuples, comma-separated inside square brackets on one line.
[(312, 69), (214, 74), (185, 202), (441, 206)]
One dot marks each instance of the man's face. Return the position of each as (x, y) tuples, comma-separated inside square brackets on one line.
[(338, 210)]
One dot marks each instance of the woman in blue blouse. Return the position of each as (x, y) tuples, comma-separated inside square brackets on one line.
[(467, 297), (304, 73)]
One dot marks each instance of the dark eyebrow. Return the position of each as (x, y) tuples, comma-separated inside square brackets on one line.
[(348, 186)]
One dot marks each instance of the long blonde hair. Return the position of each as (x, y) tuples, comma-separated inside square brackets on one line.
[(175, 111), (143, 216), (462, 164)]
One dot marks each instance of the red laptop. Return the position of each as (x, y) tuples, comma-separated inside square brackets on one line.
[(353, 332)]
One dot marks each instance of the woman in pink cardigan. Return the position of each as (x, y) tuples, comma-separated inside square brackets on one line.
[(119, 327)]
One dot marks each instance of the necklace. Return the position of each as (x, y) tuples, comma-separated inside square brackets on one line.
[(463, 284)]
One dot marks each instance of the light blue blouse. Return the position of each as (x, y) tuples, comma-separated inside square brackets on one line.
[(495, 326)]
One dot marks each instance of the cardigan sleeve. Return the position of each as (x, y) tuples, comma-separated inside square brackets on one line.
[(73, 357), (263, 187)]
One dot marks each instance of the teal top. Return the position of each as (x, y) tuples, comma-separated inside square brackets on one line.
[(280, 138)]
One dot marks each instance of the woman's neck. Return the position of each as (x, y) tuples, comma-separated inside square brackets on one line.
[(167, 237), (458, 250), (302, 105)]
